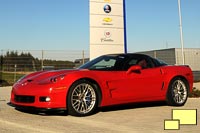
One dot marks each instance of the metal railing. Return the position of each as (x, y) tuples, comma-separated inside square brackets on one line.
[(16, 63)]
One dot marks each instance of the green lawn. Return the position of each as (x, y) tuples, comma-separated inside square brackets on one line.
[(7, 79)]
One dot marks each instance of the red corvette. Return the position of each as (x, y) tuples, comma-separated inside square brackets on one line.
[(106, 80)]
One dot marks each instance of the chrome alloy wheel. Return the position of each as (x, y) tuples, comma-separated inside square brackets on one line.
[(83, 98), (179, 91)]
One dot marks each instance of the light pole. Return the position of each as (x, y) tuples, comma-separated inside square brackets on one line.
[(125, 35), (181, 31)]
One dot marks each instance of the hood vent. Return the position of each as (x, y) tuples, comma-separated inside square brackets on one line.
[(29, 80)]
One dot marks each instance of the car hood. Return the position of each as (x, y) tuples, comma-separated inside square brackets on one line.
[(45, 75)]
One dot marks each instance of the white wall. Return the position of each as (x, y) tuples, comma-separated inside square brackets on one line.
[(106, 29)]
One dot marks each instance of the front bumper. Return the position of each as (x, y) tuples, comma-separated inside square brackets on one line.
[(34, 96), (31, 108)]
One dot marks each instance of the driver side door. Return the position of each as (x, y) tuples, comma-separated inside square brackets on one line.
[(137, 83)]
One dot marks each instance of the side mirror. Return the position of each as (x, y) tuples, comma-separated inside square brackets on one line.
[(135, 68)]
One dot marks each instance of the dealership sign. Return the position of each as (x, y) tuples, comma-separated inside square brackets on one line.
[(107, 29)]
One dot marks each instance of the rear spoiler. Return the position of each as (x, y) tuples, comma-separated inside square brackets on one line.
[(184, 65)]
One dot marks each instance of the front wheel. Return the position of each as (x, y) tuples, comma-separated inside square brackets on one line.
[(82, 98), (177, 92)]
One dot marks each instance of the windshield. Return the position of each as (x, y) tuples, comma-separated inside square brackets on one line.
[(120, 62), (106, 62)]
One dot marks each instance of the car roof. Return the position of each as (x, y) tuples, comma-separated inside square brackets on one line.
[(129, 55)]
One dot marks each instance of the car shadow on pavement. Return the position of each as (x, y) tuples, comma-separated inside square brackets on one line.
[(133, 106), (44, 113), (101, 109), (34, 111)]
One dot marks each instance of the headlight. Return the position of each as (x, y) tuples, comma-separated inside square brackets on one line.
[(57, 78)]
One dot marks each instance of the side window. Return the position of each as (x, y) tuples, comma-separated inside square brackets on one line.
[(130, 63), (151, 63), (158, 63), (144, 62)]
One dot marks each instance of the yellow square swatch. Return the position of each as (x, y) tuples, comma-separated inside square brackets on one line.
[(172, 125), (186, 116)]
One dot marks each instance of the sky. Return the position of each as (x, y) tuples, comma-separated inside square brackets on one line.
[(64, 24)]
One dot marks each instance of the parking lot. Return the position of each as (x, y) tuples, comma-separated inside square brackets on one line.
[(148, 117)]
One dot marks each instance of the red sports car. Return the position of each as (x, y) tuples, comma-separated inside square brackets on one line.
[(106, 80)]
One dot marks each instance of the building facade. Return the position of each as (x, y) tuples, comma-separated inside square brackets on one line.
[(173, 56)]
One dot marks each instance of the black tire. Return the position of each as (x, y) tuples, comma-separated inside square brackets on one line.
[(82, 99), (177, 93)]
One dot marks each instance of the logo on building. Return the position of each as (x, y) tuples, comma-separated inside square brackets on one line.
[(107, 19), (107, 34), (107, 37), (107, 8)]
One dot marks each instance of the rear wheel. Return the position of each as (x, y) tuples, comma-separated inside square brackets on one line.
[(177, 92), (82, 99)]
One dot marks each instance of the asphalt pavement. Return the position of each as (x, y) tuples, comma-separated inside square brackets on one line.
[(196, 85), (134, 118)]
